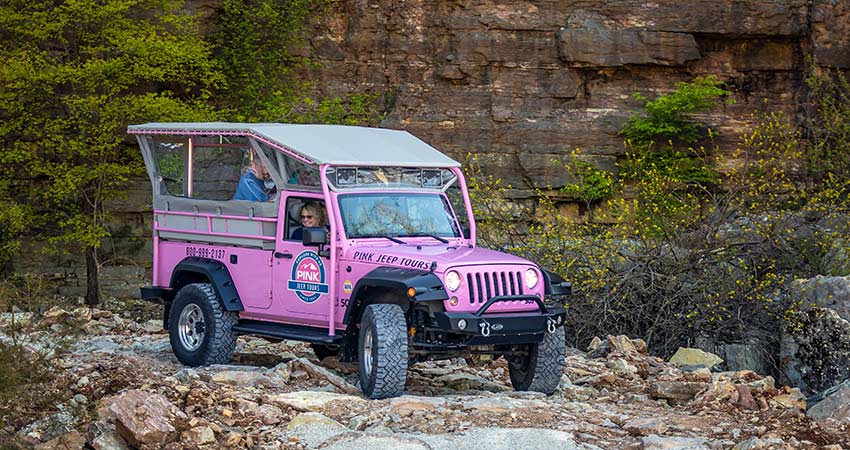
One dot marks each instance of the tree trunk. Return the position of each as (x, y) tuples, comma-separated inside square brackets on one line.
[(92, 284)]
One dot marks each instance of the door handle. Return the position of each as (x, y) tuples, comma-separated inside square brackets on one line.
[(286, 255)]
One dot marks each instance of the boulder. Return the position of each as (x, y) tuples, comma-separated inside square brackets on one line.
[(815, 355), (109, 440), (312, 429), (676, 391), (199, 436), (55, 315), (246, 377), (824, 292), (645, 426), (694, 357), (322, 373), (462, 381), (310, 401), (501, 405), (621, 344), (407, 404), (655, 442), (502, 439), (834, 407), (791, 399), (142, 417), (745, 357), (70, 441)]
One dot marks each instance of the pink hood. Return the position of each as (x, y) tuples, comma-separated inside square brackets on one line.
[(421, 256)]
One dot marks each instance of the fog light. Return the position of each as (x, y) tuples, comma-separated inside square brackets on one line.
[(461, 324), (453, 301)]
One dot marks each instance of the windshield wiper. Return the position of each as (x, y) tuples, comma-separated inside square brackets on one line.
[(397, 241), (428, 235)]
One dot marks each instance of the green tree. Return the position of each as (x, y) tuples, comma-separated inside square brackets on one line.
[(670, 117), (262, 48), (75, 73), (256, 47)]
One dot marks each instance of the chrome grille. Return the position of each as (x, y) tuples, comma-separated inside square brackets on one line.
[(485, 285)]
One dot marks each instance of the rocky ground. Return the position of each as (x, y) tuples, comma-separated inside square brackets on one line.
[(122, 388)]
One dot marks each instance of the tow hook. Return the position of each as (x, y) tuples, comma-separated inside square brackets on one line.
[(485, 328), (550, 325)]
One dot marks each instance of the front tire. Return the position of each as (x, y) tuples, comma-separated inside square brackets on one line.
[(540, 368), (200, 330), (382, 351)]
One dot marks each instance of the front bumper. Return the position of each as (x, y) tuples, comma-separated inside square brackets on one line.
[(480, 328), (508, 324)]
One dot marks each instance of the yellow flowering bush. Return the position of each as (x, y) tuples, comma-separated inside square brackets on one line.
[(685, 245)]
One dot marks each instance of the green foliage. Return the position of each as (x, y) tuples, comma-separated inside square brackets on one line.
[(257, 48), (74, 75), (669, 117), (673, 264), (14, 221), (829, 124), (590, 185), (356, 109), (262, 50), (683, 251), (22, 376)]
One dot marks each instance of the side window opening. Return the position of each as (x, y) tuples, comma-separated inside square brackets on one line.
[(301, 212), (211, 167), (298, 173)]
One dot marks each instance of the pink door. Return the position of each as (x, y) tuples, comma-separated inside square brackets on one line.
[(301, 276)]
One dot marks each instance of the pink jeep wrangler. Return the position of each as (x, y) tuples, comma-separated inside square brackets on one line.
[(343, 237)]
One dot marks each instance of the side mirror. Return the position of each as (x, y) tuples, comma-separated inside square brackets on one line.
[(314, 236)]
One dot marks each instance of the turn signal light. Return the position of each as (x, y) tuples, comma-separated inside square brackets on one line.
[(453, 301), (411, 292)]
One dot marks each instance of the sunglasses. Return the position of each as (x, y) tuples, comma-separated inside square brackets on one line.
[(306, 217)]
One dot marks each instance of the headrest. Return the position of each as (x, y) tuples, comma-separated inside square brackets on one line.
[(295, 210)]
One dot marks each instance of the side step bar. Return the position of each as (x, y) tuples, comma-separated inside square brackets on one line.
[(284, 331)]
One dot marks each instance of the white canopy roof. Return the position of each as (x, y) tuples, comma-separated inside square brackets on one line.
[(337, 145)]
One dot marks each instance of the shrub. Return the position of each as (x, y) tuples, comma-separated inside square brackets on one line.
[(683, 253)]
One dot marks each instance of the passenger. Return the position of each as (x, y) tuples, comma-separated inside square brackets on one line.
[(312, 214), (252, 185)]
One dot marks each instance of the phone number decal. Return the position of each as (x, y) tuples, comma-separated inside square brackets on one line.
[(205, 252)]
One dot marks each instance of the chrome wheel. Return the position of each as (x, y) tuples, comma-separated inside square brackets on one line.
[(367, 353), (191, 327)]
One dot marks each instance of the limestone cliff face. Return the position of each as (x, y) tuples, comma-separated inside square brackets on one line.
[(525, 82), (522, 83)]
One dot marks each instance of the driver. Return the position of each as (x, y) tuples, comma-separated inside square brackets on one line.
[(252, 185), (312, 214)]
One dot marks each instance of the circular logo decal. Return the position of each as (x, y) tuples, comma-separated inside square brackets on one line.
[(308, 277), (346, 287)]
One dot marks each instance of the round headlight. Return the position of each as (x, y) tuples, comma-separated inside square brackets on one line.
[(531, 278), (452, 280)]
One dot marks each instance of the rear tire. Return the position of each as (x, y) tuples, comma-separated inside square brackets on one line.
[(541, 367), (382, 351), (200, 330)]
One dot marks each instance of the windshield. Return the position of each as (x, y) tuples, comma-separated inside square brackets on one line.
[(400, 215)]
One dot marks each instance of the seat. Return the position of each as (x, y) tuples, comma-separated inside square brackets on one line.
[(294, 216)]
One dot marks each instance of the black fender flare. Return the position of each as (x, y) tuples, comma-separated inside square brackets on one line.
[(193, 268), (427, 286), (555, 284)]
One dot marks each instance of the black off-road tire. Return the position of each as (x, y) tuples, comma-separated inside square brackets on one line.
[(383, 367), (322, 351), (217, 340), (540, 369)]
